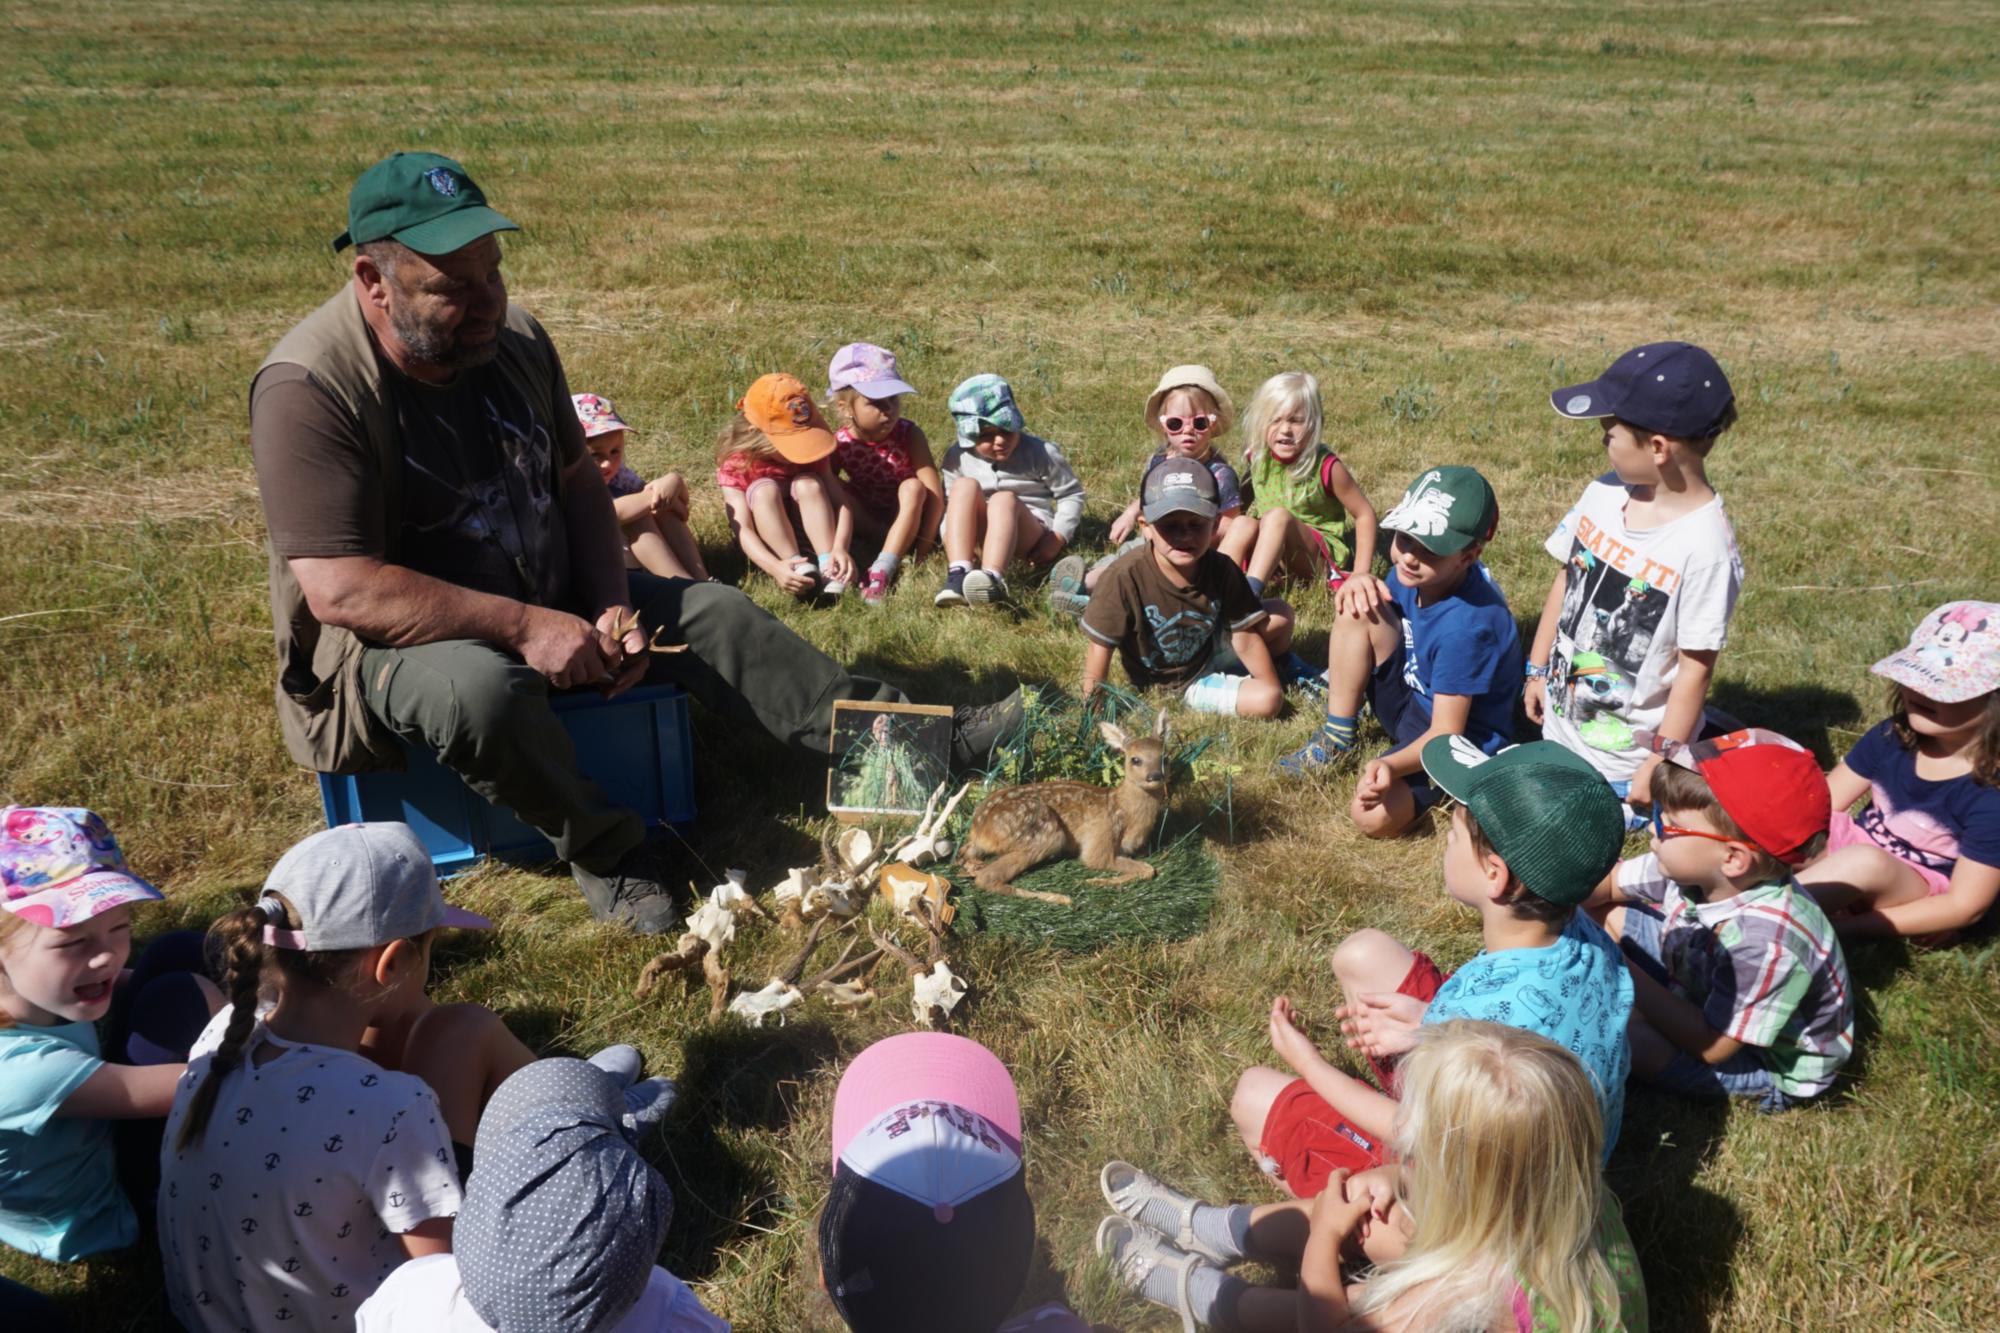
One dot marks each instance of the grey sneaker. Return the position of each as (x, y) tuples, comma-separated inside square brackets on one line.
[(983, 588), (977, 730), (631, 893)]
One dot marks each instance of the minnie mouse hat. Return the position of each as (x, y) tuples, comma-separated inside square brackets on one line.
[(1954, 655), (928, 1224), (60, 866), (597, 414)]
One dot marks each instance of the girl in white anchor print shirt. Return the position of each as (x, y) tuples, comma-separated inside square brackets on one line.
[(296, 1174)]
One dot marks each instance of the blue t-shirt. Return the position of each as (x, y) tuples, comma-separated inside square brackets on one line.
[(1929, 824), (1576, 992), (59, 1194), (1467, 644)]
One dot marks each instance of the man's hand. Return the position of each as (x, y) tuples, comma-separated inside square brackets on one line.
[(567, 649), (1535, 698), (1381, 1023), (625, 661), (1362, 596)]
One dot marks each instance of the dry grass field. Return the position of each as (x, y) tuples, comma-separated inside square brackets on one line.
[(1441, 208)]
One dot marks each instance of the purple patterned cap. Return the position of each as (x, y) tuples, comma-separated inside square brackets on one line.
[(597, 414), (1954, 655), (60, 866), (868, 370)]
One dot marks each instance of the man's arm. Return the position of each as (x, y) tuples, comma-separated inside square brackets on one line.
[(596, 550), (393, 605)]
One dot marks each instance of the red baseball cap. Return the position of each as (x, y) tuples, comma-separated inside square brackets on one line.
[(1769, 784)]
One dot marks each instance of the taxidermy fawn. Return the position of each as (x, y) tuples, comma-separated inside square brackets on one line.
[(1025, 826)]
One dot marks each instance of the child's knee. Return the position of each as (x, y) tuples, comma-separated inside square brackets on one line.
[(1365, 957), (1277, 520), (807, 486), (1003, 502), (965, 494), (1256, 1090), (1256, 699)]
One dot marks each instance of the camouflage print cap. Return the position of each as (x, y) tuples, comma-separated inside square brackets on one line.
[(983, 398)]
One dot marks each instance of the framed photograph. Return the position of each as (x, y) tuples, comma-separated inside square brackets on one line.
[(887, 759)]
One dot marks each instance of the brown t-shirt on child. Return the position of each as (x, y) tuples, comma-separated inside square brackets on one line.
[(1166, 634), (480, 460)]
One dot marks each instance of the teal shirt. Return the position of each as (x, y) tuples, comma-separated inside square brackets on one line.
[(59, 1194)]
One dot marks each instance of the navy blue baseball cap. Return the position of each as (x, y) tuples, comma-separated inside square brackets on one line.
[(1673, 389)]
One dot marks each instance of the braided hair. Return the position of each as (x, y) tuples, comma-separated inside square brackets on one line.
[(240, 940)]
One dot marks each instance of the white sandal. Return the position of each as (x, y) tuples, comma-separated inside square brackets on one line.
[(1145, 1250), (1128, 1190)]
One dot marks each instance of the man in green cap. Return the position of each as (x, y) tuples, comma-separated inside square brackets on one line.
[(443, 551), (1535, 831), (1434, 650)]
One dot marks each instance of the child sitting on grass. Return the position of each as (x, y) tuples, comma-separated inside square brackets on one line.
[(890, 476), (1495, 1215), (1009, 495), (1434, 649), (652, 515), (1536, 832), (79, 1132), (1650, 573), (771, 465), (1308, 516), (1738, 979), (1186, 412), (1180, 614), (1923, 857)]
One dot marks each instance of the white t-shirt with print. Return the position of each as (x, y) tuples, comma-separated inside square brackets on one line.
[(1633, 601), (292, 1204), (427, 1296)]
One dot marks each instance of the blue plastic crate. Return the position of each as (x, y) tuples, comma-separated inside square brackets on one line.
[(635, 746)]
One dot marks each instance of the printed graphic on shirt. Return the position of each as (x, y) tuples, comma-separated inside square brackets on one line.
[(1909, 835), (1609, 617), (1179, 638)]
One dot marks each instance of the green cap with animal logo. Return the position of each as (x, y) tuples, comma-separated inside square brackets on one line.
[(1446, 510), (1551, 817), (424, 200)]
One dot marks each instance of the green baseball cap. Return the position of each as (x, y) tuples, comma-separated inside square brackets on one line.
[(1446, 510), (1548, 814), (424, 200)]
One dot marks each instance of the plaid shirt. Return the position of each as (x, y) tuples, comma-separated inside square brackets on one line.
[(1766, 969)]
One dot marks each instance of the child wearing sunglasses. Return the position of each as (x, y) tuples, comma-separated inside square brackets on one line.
[(1739, 985), (1187, 411)]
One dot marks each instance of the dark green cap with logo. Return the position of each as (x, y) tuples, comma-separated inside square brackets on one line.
[(1446, 510), (1545, 811), (424, 200)]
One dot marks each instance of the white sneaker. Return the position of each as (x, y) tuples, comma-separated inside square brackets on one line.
[(832, 590), (983, 588)]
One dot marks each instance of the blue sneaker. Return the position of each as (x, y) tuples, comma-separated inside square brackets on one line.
[(1312, 758), (953, 591)]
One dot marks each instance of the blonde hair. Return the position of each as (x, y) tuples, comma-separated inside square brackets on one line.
[(1502, 1142), (1276, 397), (10, 926), (738, 436)]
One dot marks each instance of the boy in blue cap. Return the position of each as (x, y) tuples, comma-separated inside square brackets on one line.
[(1650, 571)]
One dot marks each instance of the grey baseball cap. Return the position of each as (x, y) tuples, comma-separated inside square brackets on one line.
[(1178, 485), (354, 887)]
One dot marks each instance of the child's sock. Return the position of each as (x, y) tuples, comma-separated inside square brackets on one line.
[(1224, 1228), (1257, 588), (1213, 1295), (1337, 733), (1214, 693), (887, 563), (823, 559), (961, 566), (991, 573)]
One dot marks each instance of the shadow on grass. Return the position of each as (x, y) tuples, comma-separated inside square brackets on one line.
[(1686, 1235), (735, 1080), (1802, 712)]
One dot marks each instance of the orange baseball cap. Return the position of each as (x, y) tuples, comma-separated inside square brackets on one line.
[(780, 407)]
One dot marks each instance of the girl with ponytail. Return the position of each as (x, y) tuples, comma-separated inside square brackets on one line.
[(298, 1171)]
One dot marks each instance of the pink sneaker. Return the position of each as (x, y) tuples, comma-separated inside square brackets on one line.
[(874, 587)]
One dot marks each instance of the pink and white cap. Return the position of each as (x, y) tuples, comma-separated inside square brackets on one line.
[(597, 414), (930, 1115), (60, 866), (1952, 656), (868, 370)]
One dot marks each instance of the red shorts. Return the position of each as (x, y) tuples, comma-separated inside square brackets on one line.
[(1305, 1140)]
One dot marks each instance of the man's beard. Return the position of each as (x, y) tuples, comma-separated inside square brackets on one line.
[(435, 346)]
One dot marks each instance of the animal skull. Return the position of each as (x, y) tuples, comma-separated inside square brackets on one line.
[(939, 990), (755, 1006)]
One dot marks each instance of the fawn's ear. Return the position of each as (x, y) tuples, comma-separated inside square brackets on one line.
[(1160, 727), (1114, 736)]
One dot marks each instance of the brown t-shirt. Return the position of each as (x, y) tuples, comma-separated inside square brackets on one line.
[(480, 461), (1165, 634)]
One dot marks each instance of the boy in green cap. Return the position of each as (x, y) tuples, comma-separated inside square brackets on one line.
[(1433, 648), (1535, 831)]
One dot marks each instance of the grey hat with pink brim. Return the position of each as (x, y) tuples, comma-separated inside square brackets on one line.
[(354, 887)]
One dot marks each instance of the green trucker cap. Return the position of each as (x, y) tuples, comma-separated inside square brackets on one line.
[(424, 200), (1548, 814), (1446, 510)]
